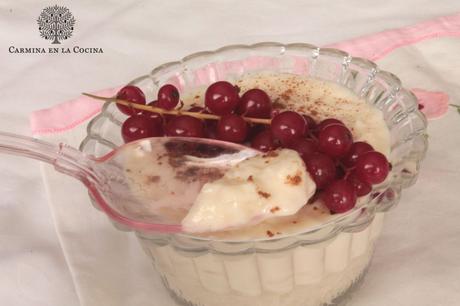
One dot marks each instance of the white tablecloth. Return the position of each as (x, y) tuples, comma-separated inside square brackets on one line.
[(137, 36)]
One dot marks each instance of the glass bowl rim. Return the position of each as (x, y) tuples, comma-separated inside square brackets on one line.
[(316, 51)]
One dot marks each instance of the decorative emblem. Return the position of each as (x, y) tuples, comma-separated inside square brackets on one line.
[(56, 23)]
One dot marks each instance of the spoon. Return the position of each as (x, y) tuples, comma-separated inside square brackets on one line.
[(148, 184)]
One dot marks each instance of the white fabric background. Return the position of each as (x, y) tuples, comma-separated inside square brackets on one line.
[(417, 259)]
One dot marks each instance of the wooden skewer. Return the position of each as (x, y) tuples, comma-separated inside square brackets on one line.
[(170, 112)]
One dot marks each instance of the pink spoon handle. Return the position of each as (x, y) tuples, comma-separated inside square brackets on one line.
[(74, 163), (65, 159)]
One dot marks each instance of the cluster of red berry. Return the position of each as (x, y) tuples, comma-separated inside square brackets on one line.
[(342, 169)]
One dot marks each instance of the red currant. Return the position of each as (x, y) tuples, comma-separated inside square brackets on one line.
[(140, 126), (210, 128), (335, 140), (372, 167), (155, 116), (196, 109), (185, 126), (221, 98), (132, 94), (255, 103), (288, 126), (339, 196), (168, 97), (209, 124), (327, 122), (361, 188), (311, 123), (356, 150), (305, 147), (321, 168), (232, 128), (264, 141), (166, 117)]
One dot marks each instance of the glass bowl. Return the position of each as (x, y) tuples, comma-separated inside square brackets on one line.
[(320, 266)]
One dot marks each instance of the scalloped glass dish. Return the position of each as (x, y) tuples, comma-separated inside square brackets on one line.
[(320, 266)]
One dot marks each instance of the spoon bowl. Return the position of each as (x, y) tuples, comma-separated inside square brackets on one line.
[(148, 184)]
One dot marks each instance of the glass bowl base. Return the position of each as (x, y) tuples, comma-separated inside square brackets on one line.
[(343, 299)]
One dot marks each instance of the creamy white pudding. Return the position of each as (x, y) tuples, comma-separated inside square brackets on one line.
[(318, 99), (266, 186), (324, 270), (321, 100)]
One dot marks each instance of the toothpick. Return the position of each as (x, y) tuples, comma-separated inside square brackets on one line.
[(176, 112)]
